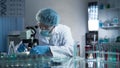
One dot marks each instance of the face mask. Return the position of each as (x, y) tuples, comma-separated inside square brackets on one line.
[(45, 33)]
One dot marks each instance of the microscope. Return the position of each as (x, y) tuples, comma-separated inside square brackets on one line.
[(28, 37)]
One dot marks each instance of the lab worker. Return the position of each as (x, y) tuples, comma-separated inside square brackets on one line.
[(55, 39)]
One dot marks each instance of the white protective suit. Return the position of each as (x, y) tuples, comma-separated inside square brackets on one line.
[(61, 42)]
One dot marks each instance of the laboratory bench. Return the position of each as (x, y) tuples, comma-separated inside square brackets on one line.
[(40, 61)]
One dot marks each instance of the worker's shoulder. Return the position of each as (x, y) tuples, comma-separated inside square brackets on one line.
[(62, 27)]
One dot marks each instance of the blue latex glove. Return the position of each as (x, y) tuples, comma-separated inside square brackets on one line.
[(21, 48), (40, 50)]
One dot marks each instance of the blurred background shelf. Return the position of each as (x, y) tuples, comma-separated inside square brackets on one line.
[(110, 27)]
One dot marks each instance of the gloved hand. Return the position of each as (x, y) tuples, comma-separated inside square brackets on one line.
[(21, 48), (40, 50)]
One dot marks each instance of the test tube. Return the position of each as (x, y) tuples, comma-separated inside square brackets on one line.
[(76, 50)]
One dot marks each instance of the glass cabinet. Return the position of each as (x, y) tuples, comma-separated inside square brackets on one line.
[(109, 23)]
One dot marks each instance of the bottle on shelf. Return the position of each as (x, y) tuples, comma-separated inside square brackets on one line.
[(101, 24), (106, 39)]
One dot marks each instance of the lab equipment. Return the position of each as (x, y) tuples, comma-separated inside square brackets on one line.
[(11, 48), (76, 50), (90, 57), (91, 37), (29, 32), (41, 49), (28, 37), (47, 16)]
